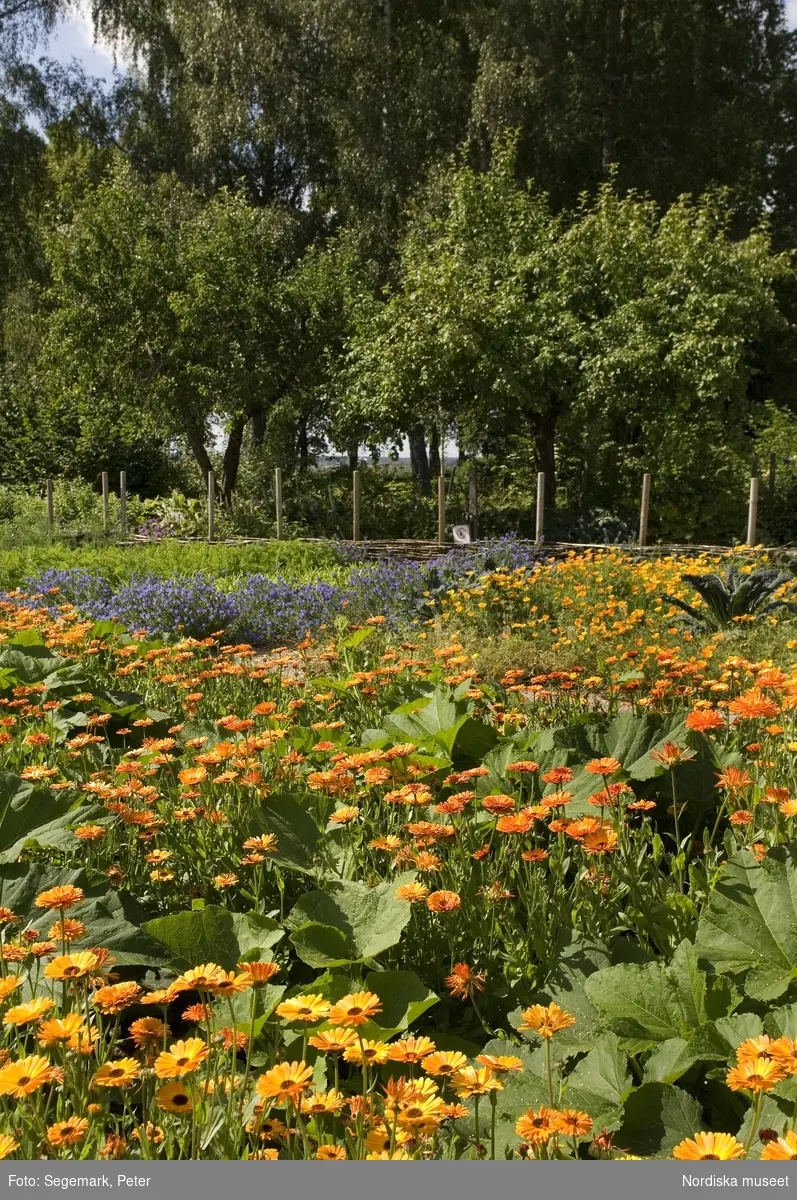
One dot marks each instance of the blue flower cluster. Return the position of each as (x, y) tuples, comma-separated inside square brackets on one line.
[(265, 611)]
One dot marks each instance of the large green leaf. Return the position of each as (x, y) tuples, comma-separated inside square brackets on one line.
[(404, 997), (197, 936), (669, 1061), (20, 883), (657, 1117), (57, 834), (255, 935), (117, 920), (24, 808), (296, 831), (348, 922), (600, 1083), (654, 1002), (716, 1041), (750, 923)]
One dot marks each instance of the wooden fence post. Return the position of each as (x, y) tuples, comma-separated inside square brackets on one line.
[(473, 502), (355, 504), (211, 506), (50, 508), (106, 521), (772, 469), (540, 505), (644, 511), (752, 515), (123, 503), (278, 499), (441, 509)]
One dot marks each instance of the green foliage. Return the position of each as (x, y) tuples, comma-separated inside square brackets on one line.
[(737, 596), (348, 922)]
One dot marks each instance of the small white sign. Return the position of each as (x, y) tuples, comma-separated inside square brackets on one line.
[(462, 535)]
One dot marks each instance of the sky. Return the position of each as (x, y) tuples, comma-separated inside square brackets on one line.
[(73, 37)]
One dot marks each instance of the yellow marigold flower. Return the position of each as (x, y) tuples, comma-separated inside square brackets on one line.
[(546, 1019), (355, 1009), (71, 966), (230, 984), (386, 1156), (200, 979), (445, 1063), (411, 1049), (411, 892), (331, 1154), (321, 1103), (61, 1029), (181, 1058), (285, 1082), (421, 1113), (501, 1063), (23, 1014), (173, 1097), (343, 816), (9, 985), (26, 1075), (119, 1073), (476, 1081), (7, 1145), (372, 1053), (784, 1148), (67, 1133), (60, 897), (304, 1008), (755, 1075), (333, 1041), (703, 1146)]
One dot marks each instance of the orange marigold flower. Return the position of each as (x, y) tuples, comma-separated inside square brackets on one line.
[(259, 972), (755, 1075), (60, 897), (464, 982), (443, 902), (782, 1149), (603, 766), (546, 1019), (538, 1127), (67, 1133), (734, 779), (116, 997)]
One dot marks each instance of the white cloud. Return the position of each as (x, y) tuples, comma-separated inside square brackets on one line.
[(73, 38), (791, 12)]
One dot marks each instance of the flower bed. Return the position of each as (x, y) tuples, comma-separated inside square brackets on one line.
[(352, 901)]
